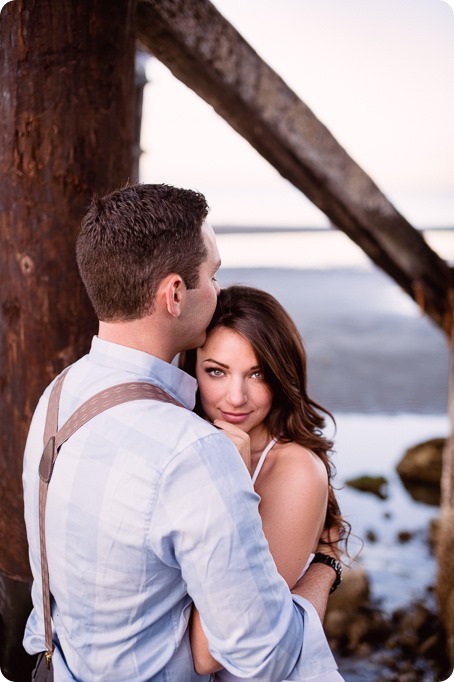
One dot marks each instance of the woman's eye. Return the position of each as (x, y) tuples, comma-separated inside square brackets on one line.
[(256, 375), (214, 372)]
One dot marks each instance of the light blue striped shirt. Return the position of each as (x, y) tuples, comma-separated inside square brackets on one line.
[(149, 509)]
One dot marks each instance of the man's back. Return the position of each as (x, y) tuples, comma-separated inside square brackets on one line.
[(120, 601), (151, 508)]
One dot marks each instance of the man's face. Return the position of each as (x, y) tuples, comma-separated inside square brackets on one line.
[(201, 302)]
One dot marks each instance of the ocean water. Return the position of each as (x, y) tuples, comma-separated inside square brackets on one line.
[(307, 248), (370, 349), (399, 572)]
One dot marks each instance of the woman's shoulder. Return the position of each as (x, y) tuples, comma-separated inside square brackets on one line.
[(291, 470), (295, 462)]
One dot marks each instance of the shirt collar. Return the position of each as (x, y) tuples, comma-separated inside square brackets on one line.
[(173, 380)]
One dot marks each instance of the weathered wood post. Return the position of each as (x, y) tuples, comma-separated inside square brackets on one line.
[(67, 128), (445, 543)]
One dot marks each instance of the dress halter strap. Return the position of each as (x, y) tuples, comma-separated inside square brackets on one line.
[(262, 459)]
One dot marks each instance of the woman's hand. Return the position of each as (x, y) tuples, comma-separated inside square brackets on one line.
[(239, 438), (204, 663)]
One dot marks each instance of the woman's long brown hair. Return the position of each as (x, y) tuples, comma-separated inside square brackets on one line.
[(294, 416)]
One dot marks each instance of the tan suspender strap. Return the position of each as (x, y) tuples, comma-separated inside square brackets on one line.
[(51, 427), (50, 430), (104, 400), (54, 438)]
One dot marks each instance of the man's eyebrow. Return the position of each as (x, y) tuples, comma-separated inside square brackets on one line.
[(217, 265), (222, 364)]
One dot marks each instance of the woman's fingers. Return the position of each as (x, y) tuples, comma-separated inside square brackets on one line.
[(239, 438)]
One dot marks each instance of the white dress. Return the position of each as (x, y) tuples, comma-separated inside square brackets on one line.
[(311, 614)]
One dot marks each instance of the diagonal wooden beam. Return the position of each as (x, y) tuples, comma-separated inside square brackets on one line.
[(206, 52)]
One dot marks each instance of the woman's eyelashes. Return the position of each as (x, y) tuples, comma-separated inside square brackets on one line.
[(214, 372)]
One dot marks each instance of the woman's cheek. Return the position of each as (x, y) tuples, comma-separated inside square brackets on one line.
[(208, 398)]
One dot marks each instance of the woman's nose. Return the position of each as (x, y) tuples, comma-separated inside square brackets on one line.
[(236, 394)]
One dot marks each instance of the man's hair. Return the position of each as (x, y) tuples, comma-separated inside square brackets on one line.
[(134, 237)]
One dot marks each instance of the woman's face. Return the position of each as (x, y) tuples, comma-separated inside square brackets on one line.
[(231, 384)]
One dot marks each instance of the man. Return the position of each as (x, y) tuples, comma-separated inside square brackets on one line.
[(151, 508)]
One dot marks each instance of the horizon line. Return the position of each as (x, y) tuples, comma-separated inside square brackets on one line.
[(256, 229)]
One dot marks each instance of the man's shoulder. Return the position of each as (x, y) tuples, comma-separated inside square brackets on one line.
[(188, 427)]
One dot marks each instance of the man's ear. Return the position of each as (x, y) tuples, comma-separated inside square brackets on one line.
[(172, 292)]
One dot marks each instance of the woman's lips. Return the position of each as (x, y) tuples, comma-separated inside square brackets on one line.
[(234, 417)]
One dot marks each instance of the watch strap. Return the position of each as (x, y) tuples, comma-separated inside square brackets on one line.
[(320, 558)]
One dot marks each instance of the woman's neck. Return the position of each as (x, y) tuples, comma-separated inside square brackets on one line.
[(260, 437)]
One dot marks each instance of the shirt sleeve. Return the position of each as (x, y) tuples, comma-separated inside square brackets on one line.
[(206, 522)]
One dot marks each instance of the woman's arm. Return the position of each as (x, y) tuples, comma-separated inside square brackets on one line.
[(294, 492)]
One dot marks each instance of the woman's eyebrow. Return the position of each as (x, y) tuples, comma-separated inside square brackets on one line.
[(222, 364)]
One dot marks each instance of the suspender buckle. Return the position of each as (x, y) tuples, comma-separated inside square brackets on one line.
[(47, 460), (48, 656)]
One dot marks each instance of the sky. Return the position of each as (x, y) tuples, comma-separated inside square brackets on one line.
[(378, 73)]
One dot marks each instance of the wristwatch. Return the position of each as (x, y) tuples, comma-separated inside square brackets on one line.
[(320, 558)]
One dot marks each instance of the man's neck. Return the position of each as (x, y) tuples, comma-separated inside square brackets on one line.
[(138, 334)]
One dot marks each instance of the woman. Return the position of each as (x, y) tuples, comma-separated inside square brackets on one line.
[(251, 373)]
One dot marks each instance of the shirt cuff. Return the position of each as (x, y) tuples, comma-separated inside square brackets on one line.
[(316, 657)]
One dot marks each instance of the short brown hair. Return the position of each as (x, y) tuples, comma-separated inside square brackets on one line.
[(134, 237)]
